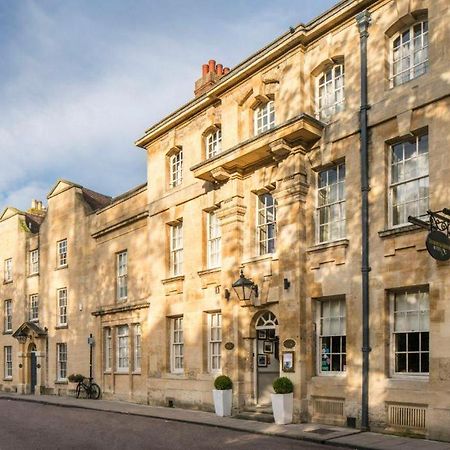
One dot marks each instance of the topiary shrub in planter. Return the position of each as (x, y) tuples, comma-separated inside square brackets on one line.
[(222, 395), (283, 401), (75, 377)]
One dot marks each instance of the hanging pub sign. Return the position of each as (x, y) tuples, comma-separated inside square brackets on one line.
[(438, 245), (438, 239)]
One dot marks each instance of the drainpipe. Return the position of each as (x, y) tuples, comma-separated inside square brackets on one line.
[(363, 21)]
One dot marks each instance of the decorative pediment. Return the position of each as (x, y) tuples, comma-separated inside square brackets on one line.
[(61, 186), (29, 329), (9, 212)]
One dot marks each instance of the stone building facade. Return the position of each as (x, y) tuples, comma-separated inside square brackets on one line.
[(260, 172)]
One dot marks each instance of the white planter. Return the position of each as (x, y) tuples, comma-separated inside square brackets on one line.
[(283, 407), (222, 402)]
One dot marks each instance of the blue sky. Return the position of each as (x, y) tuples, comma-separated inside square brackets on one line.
[(80, 80)]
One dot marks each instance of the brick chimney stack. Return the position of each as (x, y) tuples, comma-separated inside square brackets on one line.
[(211, 74)]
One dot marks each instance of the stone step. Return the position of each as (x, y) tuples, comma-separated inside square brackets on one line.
[(266, 409), (259, 416)]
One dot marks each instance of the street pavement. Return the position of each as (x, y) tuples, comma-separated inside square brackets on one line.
[(25, 425), (126, 425)]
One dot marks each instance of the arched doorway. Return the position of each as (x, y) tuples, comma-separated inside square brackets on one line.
[(267, 356), (33, 367)]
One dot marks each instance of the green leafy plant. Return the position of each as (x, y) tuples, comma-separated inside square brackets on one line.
[(75, 377), (223, 383), (283, 385)]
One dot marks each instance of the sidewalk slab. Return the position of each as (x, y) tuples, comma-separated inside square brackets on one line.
[(325, 434)]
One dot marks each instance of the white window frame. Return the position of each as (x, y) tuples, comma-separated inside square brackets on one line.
[(420, 178), (176, 249), (423, 326), (61, 361), (34, 308), (108, 350), (214, 342), (176, 345), (137, 356), (62, 252), (213, 142), (266, 221), (7, 324), (338, 203), (34, 262), (213, 239), (264, 117), (122, 275), (176, 169), (407, 74), (342, 333), (8, 272), (123, 351), (62, 306), (330, 92), (8, 364)]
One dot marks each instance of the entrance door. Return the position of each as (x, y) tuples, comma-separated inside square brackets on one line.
[(33, 370), (267, 356)]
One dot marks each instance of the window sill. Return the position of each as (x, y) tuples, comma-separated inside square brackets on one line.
[(208, 271), (32, 275), (61, 327), (327, 245), (107, 372), (66, 266), (8, 379), (7, 332), (122, 372), (173, 279), (272, 256), (122, 300), (402, 229), (398, 377), (8, 282), (65, 381), (332, 374), (137, 372)]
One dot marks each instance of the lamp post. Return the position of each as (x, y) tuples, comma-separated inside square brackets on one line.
[(91, 343), (245, 289)]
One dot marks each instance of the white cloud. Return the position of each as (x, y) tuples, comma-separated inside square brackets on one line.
[(82, 91)]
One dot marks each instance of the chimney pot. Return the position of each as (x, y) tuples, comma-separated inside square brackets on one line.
[(226, 70), (219, 69), (205, 70), (212, 65), (33, 204)]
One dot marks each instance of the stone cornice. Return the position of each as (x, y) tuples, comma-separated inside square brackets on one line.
[(120, 308), (120, 224)]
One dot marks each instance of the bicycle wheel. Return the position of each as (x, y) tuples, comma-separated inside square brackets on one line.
[(95, 391), (78, 391)]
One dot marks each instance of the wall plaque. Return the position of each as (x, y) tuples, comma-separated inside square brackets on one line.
[(229, 346), (289, 343)]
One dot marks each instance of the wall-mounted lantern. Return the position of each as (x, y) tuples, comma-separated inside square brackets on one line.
[(245, 289)]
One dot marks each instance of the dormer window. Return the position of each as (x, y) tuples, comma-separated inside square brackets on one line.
[(213, 143), (330, 95), (264, 117), (410, 53)]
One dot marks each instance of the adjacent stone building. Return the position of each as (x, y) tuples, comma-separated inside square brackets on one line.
[(260, 172)]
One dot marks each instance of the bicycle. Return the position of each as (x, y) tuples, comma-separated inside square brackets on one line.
[(91, 390)]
